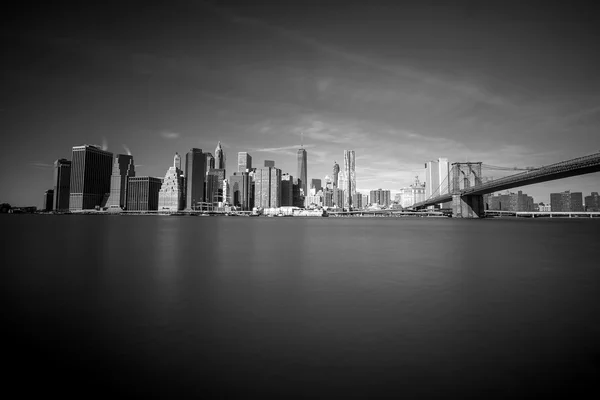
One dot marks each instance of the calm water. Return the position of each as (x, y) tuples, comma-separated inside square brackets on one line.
[(301, 307)]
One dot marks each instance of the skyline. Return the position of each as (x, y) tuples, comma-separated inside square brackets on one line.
[(401, 84)]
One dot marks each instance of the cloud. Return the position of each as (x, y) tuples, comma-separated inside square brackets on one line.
[(41, 165), (169, 135), (285, 150)]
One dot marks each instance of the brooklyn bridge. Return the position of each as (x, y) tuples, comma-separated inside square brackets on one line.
[(465, 188)]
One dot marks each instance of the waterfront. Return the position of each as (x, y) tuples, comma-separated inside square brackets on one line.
[(318, 307)]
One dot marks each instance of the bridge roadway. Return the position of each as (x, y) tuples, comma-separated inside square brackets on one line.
[(564, 169)]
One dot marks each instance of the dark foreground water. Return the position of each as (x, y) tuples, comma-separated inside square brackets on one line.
[(286, 307)]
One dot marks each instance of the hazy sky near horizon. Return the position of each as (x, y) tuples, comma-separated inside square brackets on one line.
[(503, 82)]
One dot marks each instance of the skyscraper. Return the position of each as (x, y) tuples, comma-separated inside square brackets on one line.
[(270, 163), (287, 190), (142, 193), (91, 170), (240, 186), (171, 194), (347, 178), (123, 168), (210, 162), (302, 171), (316, 185), (244, 162), (444, 175), (437, 177), (47, 204), (336, 171), (220, 157), (267, 191), (194, 178), (62, 184)]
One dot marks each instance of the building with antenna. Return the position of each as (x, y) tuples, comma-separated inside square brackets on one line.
[(302, 171)]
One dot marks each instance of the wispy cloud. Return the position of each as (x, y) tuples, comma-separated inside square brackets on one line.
[(41, 165), (170, 135)]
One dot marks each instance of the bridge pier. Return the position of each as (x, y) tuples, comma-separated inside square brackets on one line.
[(470, 206)]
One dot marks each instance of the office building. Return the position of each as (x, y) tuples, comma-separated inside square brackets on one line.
[(566, 201), (328, 197), (338, 197), (509, 202), (195, 162), (142, 193), (298, 198), (365, 200), (357, 201), (216, 194), (413, 194), (315, 186), (171, 196), (47, 204), (240, 186), (315, 200), (123, 168), (269, 164), (267, 188), (210, 162), (287, 190), (220, 162), (592, 202), (381, 197), (302, 171), (437, 178), (91, 169), (62, 184), (244, 162), (336, 172)]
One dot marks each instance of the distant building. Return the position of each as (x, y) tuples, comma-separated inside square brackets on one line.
[(315, 200), (338, 197), (365, 200), (544, 207), (240, 186), (142, 193), (123, 168), (592, 202), (336, 172), (220, 162), (62, 184), (566, 201), (298, 199), (357, 201), (315, 184), (287, 190), (509, 202), (48, 200), (381, 197), (216, 194), (437, 178), (269, 164), (91, 170), (413, 194), (328, 197), (267, 191), (210, 162), (244, 162), (302, 171), (171, 196), (195, 162)]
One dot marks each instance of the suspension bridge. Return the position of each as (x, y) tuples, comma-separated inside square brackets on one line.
[(464, 186)]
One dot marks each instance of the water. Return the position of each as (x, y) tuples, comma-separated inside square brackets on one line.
[(293, 307)]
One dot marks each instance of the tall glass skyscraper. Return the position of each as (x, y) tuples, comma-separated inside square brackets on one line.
[(62, 184), (123, 169), (336, 172), (302, 170), (195, 163), (91, 170)]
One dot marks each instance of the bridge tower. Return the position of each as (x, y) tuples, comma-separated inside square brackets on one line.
[(464, 176)]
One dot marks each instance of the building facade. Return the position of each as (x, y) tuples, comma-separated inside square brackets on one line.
[(48, 201), (267, 188), (287, 190), (123, 169), (509, 202), (302, 171), (244, 162), (381, 197), (91, 169), (240, 186), (413, 194), (269, 164), (566, 201), (142, 193), (195, 163), (62, 184), (171, 196), (592, 202), (336, 173), (347, 177), (315, 186)]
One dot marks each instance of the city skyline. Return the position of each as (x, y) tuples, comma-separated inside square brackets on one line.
[(402, 90)]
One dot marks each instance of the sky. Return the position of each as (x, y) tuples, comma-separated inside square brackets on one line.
[(506, 83)]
